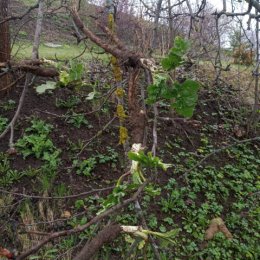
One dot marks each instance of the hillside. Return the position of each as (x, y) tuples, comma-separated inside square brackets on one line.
[(73, 176)]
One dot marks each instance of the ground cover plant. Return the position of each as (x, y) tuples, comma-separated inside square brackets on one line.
[(113, 154)]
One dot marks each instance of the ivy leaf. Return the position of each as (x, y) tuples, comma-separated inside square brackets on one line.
[(186, 98), (49, 85)]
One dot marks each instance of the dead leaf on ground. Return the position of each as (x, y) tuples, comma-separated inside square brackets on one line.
[(66, 214), (217, 225)]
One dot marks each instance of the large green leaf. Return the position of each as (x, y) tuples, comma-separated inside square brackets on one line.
[(49, 85), (175, 56), (76, 71), (185, 95), (73, 75), (154, 90), (186, 98)]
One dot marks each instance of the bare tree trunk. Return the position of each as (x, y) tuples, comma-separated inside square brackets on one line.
[(171, 31), (4, 44), (156, 24), (38, 30), (254, 119)]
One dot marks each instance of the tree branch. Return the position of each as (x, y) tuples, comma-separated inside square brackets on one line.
[(114, 50), (83, 227), (74, 196), (21, 16), (107, 235)]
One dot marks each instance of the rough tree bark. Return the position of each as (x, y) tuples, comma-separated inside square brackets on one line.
[(4, 43), (131, 60), (105, 236)]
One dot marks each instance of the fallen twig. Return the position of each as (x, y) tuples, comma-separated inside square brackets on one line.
[(57, 198), (108, 234), (96, 135), (83, 227), (13, 83), (12, 123)]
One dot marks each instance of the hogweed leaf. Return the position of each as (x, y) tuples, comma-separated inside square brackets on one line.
[(49, 85)]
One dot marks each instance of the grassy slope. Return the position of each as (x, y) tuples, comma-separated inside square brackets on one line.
[(224, 186), (65, 52)]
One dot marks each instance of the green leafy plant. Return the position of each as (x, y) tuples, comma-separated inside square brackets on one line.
[(73, 75), (185, 95), (70, 102), (62, 190), (217, 185), (110, 156), (49, 85), (48, 254), (35, 145), (85, 167), (77, 120), (182, 96), (148, 160), (8, 105), (36, 142), (75, 147), (8, 176), (46, 177), (119, 192), (3, 123), (175, 56)]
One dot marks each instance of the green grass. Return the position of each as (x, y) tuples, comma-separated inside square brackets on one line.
[(29, 2), (65, 52), (234, 67)]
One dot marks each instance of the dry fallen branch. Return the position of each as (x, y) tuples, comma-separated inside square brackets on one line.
[(107, 235), (32, 66), (13, 83), (75, 196), (10, 126)]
